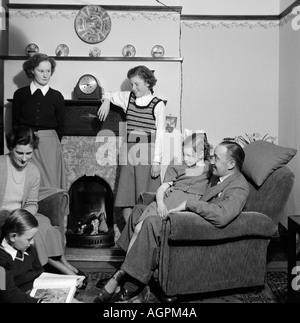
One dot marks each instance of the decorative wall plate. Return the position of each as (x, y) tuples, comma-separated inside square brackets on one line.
[(128, 51), (92, 24), (31, 49), (62, 50), (157, 51), (95, 52)]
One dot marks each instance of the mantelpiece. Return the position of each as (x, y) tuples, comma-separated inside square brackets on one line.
[(81, 118)]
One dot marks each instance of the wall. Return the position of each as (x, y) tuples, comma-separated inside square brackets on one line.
[(230, 7), (230, 77), (289, 102)]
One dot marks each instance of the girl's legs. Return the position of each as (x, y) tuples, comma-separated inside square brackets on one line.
[(68, 265), (60, 266)]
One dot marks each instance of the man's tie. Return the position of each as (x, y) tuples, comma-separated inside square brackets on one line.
[(215, 182), (20, 255)]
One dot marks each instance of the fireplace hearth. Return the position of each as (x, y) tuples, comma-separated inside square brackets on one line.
[(90, 221)]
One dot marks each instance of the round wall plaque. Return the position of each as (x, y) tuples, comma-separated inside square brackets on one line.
[(62, 50), (95, 52), (128, 51), (92, 24), (157, 51), (31, 49)]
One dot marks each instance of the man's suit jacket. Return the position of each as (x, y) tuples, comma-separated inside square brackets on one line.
[(223, 202)]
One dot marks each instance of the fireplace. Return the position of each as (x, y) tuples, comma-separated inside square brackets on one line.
[(81, 118), (91, 219), (84, 138)]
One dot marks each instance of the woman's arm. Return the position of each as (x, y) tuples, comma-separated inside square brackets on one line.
[(16, 108), (119, 99), (60, 115), (160, 118), (160, 194)]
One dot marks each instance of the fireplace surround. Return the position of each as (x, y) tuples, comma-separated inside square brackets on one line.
[(90, 182)]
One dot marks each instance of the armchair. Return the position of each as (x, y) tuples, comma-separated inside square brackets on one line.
[(196, 257), (54, 204)]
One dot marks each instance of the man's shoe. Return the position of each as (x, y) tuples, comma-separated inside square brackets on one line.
[(102, 282), (104, 296), (124, 295)]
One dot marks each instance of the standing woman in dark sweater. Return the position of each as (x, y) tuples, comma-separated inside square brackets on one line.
[(42, 108)]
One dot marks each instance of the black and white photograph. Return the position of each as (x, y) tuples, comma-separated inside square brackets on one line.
[(151, 148)]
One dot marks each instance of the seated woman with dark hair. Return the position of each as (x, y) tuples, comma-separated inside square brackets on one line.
[(19, 189)]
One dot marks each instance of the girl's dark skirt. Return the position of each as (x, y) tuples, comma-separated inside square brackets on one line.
[(135, 173), (48, 157)]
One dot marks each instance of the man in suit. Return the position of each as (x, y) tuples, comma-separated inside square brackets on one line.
[(224, 200)]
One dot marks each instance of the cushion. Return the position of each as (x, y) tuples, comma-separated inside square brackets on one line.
[(262, 158)]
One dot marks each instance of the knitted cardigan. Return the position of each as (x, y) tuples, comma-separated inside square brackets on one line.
[(31, 187)]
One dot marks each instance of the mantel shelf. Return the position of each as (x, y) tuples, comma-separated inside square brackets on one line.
[(106, 58)]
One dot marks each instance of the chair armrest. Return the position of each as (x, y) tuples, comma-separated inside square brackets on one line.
[(55, 208), (188, 226), (146, 198), (2, 279)]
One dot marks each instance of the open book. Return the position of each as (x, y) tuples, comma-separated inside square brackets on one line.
[(53, 288)]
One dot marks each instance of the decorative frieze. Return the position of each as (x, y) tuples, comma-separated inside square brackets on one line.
[(43, 14), (132, 16), (193, 24)]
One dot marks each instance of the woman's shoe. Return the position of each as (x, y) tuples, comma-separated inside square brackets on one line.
[(85, 281)]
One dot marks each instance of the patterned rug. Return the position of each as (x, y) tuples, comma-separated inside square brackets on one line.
[(275, 291)]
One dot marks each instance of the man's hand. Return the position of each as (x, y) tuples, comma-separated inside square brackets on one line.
[(181, 207), (162, 210), (104, 110)]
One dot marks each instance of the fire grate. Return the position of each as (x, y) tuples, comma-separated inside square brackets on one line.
[(90, 222)]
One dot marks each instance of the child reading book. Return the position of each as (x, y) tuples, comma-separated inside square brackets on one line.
[(18, 256)]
